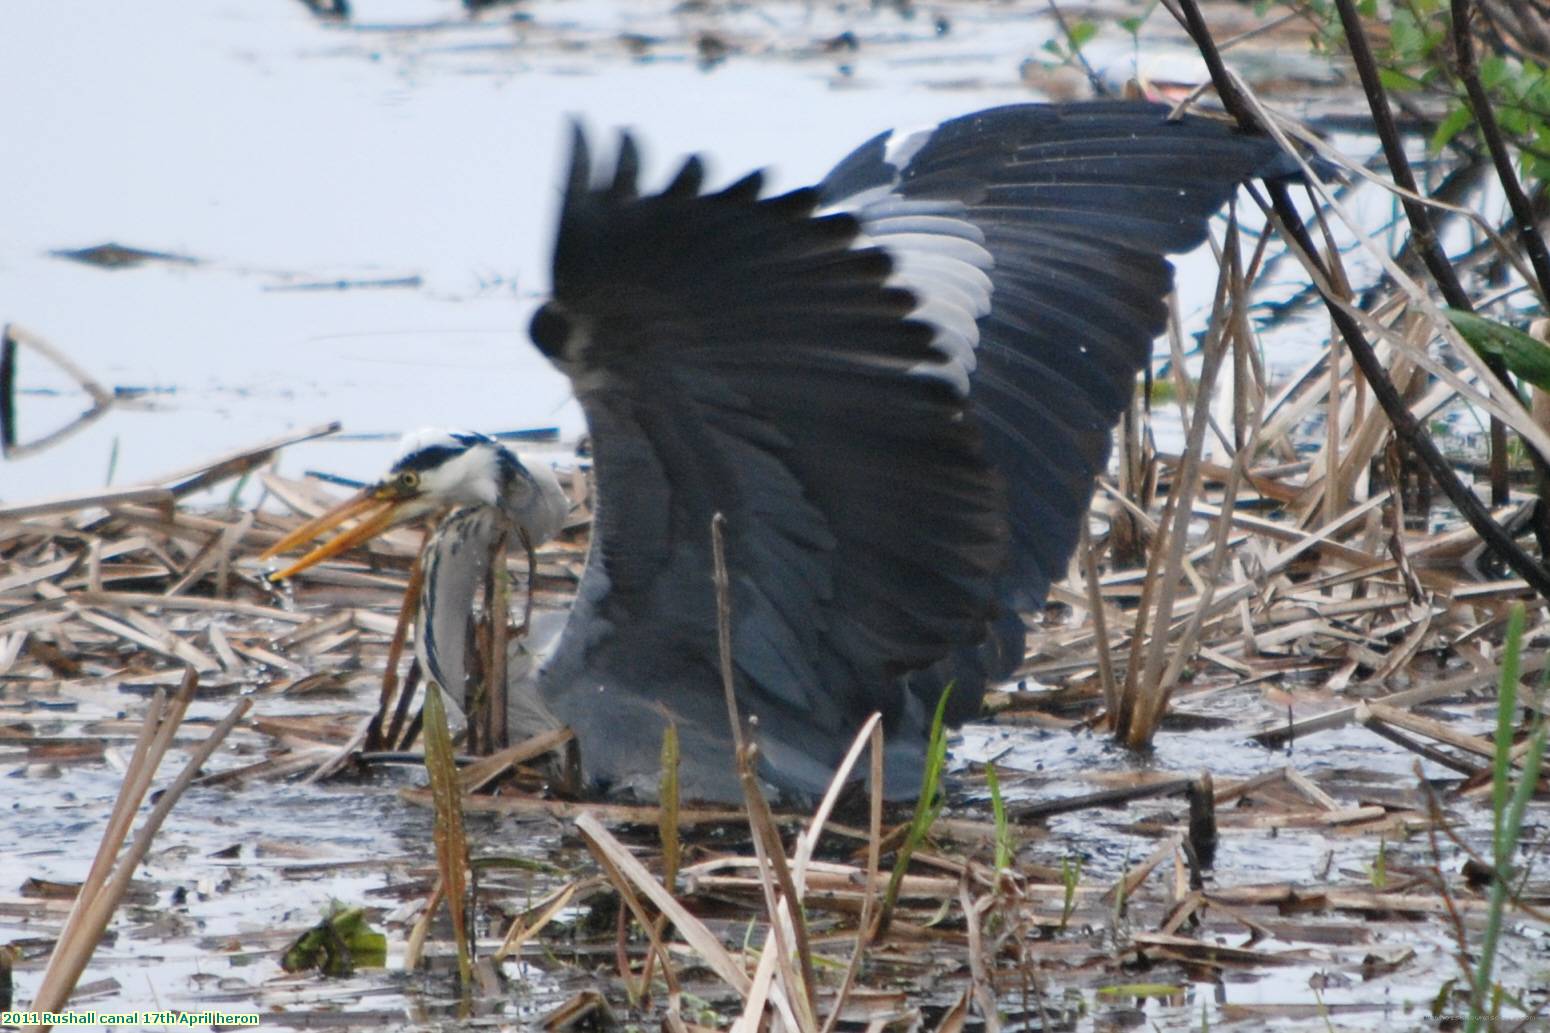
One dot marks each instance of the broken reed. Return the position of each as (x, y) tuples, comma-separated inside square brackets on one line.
[(108, 879)]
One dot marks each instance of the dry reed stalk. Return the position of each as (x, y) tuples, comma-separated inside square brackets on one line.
[(624, 871), (798, 994), (956, 1017), (1237, 332), (12, 339), (486, 769), (1196, 952), (99, 896), (86, 500), (1370, 712), (1100, 627), (788, 927), (1133, 877), (979, 970), (401, 630), (1369, 434), (1132, 688), (1146, 695), (839, 884), (522, 929), (1128, 534), (155, 736), (873, 732), (786, 907), (653, 928), (1024, 811), (215, 554), (1500, 403), (414, 946), (568, 810)]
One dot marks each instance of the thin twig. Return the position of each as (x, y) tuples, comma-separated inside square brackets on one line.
[(1485, 118), (1423, 233)]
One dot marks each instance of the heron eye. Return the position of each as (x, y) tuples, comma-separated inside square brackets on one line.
[(409, 480)]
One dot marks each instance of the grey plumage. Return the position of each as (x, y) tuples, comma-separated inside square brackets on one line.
[(897, 386)]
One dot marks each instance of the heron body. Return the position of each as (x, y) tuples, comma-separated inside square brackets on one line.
[(493, 494), (897, 386)]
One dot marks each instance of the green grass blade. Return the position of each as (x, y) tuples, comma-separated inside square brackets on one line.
[(667, 797), (1506, 708), (927, 806), (1003, 830), (1507, 812)]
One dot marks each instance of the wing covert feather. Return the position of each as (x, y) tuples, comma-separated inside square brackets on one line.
[(748, 356)]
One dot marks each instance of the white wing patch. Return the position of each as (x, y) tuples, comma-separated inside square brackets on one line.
[(941, 258), (902, 147)]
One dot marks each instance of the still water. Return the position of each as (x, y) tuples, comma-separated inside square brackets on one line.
[(284, 154)]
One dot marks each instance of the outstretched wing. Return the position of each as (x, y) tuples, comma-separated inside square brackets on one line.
[(1044, 229), (747, 356)]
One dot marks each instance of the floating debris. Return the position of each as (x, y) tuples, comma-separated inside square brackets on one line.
[(120, 256)]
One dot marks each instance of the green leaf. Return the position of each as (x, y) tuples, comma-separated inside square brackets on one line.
[(342, 942), (1453, 124), (1397, 81), (1535, 167), (1405, 37), (1523, 356), (1492, 71), (1004, 850), (1081, 32)]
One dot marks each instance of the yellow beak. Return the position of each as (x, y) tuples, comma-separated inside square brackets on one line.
[(377, 512)]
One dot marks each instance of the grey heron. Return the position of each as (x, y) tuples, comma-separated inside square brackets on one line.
[(898, 386), (481, 491)]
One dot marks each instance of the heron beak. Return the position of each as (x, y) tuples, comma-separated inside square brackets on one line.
[(377, 509)]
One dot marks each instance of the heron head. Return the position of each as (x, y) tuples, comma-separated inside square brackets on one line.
[(435, 470)]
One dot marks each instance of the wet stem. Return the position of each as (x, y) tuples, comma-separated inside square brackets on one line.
[(1070, 878), (1508, 804)]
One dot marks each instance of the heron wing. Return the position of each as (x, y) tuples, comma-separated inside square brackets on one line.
[(1074, 208), (744, 355)]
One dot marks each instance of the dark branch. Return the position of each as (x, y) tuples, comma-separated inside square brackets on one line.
[(1406, 426)]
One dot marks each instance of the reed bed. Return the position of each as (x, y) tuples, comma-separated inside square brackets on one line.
[(1292, 618), (1283, 575)]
